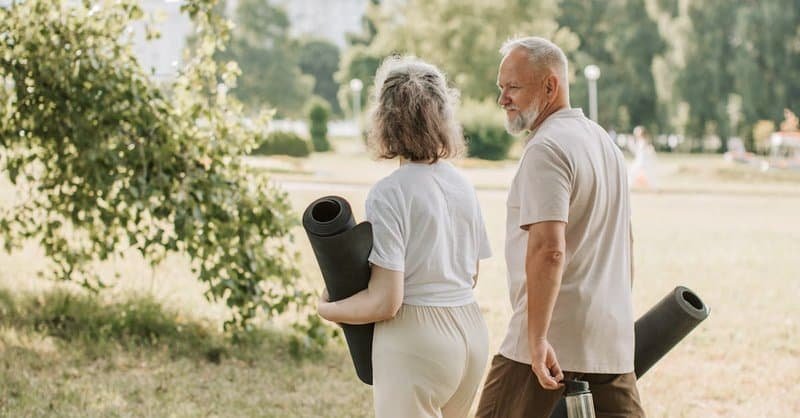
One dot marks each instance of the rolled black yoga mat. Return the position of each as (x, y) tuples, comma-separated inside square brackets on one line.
[(658, 330), (342, 248)]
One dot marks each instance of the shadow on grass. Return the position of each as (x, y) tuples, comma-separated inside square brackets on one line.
[(135, 324)]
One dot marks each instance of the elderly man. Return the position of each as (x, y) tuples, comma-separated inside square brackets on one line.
[(568, 250)]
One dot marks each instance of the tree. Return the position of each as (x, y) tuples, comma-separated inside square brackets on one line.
[(268, 58), (360, 60), (622, 39), (318, 112), (106, 162), (767, 59), (320, 59), (463, 38), (706, 80)]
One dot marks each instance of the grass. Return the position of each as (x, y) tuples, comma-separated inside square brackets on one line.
[(152, 347), (66, 354)]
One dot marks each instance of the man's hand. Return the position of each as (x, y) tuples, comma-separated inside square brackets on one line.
[(545, 365)]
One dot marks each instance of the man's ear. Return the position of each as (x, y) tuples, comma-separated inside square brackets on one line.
[(551, 86)]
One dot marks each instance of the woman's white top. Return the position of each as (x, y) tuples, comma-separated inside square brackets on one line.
[(427, 223)]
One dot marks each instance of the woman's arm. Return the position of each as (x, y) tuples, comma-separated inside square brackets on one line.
[(378, 302)]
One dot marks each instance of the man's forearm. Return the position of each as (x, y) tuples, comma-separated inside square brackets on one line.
[(543, 269)]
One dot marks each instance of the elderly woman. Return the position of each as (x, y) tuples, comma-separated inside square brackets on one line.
[(430, 344)]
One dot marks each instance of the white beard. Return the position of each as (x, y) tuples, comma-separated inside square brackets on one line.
[(522, 121)]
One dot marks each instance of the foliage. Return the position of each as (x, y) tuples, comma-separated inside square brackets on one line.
[(105, 162), (687, 67), (271, 75), (360, 60), (733, 64), (320, 59), (318, 113), (485, 132), (282, 143), (455, 35), (622, 39), (767, 45), (707, 80)]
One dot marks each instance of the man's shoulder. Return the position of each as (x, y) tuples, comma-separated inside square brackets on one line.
[(544, 143)]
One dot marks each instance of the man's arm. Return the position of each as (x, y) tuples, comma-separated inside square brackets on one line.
[(544, 265), (378, 302)]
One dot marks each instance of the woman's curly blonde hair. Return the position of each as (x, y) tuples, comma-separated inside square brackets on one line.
[(413, 113)]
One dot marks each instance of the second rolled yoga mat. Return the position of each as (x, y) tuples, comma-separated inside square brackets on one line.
[(342, 248), (658, 330)]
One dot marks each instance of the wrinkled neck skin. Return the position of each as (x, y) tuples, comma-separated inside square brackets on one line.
[(560, 101)]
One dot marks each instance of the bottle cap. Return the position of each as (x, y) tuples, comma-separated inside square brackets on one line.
[(576, 387)]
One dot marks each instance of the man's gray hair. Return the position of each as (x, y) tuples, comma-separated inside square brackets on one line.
[(541, 53)]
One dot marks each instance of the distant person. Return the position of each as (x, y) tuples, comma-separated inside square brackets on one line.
[(431, 343), (642, 173), (568, 250)]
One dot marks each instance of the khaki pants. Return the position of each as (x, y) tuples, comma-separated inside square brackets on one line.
[(429, 361), (513, 391)]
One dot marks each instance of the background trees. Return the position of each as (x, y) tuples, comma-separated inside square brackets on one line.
[(695, 67), (271, 76)]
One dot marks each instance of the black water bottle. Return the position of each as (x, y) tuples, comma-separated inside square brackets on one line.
[(578, 399)]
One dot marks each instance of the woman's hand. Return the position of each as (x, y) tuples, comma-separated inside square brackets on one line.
[(323, 305)]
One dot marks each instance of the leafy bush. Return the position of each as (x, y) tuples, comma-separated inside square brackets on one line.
[(318, 113), (282, 143), (108, 160), (485, 131)]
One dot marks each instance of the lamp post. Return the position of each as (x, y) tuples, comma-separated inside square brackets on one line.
[(356, 85), (592, 73)]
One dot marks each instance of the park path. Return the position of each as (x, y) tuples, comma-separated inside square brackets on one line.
[(496, 191)]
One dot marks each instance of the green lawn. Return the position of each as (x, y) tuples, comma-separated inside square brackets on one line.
[(730, 234)]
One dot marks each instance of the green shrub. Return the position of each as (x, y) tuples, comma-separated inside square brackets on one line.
[(318, 113), (485, 131), (283, 143)]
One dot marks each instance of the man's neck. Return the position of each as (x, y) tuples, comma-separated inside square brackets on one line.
[(547, 111)]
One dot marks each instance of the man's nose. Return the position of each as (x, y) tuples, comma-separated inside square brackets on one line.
[(502, 99)]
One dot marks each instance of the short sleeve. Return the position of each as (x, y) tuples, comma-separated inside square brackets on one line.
[(388, 246), (545, 184)]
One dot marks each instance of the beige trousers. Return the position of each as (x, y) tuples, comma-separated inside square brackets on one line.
[(429, 361)]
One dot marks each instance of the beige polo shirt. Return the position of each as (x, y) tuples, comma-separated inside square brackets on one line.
[(571, 171)]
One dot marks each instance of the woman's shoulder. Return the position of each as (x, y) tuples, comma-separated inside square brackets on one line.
[(387, 188)]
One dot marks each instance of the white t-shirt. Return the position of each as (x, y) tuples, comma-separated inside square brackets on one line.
[(426, 222), (571, 171)]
